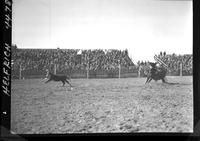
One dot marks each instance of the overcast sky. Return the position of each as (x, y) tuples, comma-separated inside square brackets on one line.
[(144, 27)]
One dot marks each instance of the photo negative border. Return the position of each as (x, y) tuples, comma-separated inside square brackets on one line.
[(6, 67), (6, 82)]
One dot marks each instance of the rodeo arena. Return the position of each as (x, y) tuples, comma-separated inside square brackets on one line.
[(61, 91)]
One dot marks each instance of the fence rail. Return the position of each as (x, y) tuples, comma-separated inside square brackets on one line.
[(121, 72)]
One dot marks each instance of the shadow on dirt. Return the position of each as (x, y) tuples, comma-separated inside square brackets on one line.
[(170, 83)]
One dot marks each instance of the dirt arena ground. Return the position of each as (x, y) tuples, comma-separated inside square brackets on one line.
[(102, 106)]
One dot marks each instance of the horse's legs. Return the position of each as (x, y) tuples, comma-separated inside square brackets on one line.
[(48, 81), (149, 80), (68, 83), (163, 80), (63, 83)]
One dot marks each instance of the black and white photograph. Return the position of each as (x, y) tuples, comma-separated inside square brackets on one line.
[(102, 66)]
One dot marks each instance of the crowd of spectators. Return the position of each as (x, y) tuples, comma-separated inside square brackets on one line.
[(174, 61), (38, 60)]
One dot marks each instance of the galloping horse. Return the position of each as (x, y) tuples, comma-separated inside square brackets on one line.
[(53, 77), (156, 73)]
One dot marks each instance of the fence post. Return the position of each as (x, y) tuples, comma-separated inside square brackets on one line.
[(181, 69), (87, 73), (139, 69), (119, 71), (20, 71), (87, 67), (55, 68), (87, 70)]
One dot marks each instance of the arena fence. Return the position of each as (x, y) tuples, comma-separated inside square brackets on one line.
[(120, 72), (123, 72)]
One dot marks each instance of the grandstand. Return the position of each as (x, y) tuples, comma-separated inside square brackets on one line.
[(97, 63), (178, 64)]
